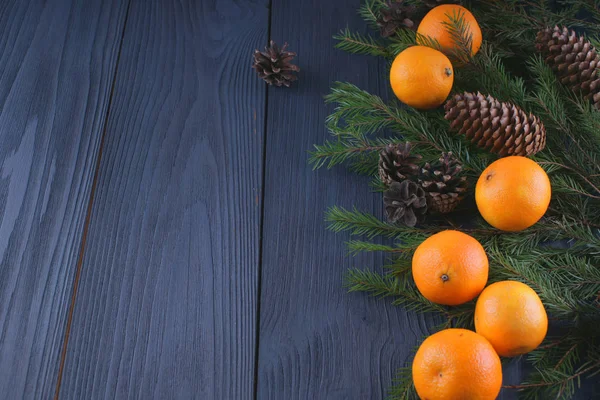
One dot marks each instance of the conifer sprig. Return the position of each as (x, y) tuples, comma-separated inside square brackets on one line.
[(357, 43), (560, 255)]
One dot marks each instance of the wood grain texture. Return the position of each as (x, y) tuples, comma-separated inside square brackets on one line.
[(166, 307), (316, 341), (57, 62)]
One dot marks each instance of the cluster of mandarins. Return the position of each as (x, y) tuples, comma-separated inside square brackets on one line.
[(451, 267)]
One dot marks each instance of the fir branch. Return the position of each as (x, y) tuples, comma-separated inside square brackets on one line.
[(401, 264), (567, 278), (369, 12), (460, 316), (545, 384), (461, 35), (571, 14), (554, 365), (357, 246), (588, 119), (404, 293), (531, 269), (403, 388), (507, 24), (358, 223), (361, 113), (360, 44), (346, 148), (486, 73), (522, 242), (568, 184), (514, 23), (548, 96), (403, 39), (579, 174), (364, 224), (556, 112), (366, 164)]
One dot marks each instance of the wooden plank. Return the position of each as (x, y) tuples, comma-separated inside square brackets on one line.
[(167, 299), (317, 341), (57, 65)]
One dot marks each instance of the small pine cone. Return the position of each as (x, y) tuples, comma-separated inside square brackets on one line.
[(274, 65), (443, 203), (394, 15), (405, 203), (573, 59), (499, 127), (443, 183), (396, 163)]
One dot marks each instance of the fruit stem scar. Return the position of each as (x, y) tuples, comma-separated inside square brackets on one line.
[(489, 176), (445, 277), (448, 71)]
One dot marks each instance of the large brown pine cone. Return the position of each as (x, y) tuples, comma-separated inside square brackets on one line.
[(573, 59), (499, 127)]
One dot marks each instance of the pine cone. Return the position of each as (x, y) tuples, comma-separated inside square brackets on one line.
[(444, 186), (502, 128), (573, 59), (396, 163), (274, 65), (394, 15), (405, 203)]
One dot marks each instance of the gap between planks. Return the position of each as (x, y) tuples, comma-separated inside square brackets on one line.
[(262, 218), (88, 214)]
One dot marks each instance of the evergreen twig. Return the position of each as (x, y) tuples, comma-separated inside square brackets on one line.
[(559, 256)]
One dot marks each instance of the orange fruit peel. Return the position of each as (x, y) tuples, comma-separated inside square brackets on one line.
[(513, 193), (450, 268), (421, 77), (511, 316), (457, 364), (436, 27)]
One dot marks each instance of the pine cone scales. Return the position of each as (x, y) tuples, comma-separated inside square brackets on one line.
[(396, 163), (573, 59), (274, 65), (499, 127), (394, 15), (405, 203), (442, 183)]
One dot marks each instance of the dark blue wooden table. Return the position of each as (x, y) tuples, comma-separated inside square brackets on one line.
[(161, 233)]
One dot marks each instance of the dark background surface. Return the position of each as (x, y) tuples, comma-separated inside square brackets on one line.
[(161, 233)]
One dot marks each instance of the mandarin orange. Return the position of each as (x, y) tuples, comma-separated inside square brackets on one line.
[(511, 316), (421, 77), (457, 364), (435, 26), (450, 268), (513, 193)]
